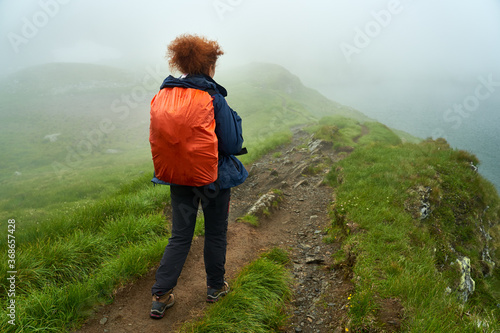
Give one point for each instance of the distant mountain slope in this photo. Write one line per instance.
(49, 110)
(58, 78)
(87, 126)
(276, 80)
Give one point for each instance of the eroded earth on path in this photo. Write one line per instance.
(297, 225)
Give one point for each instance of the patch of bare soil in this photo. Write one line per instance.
(390, 314)
(297, 225)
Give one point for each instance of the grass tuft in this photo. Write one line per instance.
(250, 219)
(256, 302)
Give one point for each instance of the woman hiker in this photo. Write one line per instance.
(194, 135)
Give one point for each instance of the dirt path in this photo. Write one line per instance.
(298, 225)
(364, 131)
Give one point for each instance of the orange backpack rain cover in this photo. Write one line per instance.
(182, 136)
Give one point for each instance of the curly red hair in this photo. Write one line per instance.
(192, 54)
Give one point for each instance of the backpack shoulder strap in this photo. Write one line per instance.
(211, 91)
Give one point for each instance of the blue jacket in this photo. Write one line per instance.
(231, 171)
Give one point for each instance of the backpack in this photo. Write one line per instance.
(182, 136)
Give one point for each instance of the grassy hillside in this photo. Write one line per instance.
(67, 136)
(419, 227)
(75, 132)
(88, 220)
(278, 81)
(75, 260)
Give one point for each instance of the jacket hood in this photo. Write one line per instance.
(201, 82)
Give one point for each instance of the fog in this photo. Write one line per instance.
(403, 62)
(320, 41)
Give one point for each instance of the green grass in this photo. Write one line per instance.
(277, 255)
(259, 148)
(400, 256)
(277, 154)
(77, 258)
(137, 198)
(256, 303)
(250, 219)
(61, 308)
(346, 134)
(199, 228)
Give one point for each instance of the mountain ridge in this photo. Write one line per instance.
(276, 78)
(72, 99)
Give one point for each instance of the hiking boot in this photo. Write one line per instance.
(213, 295)
(161, 303)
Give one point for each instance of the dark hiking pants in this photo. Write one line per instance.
(185, 201)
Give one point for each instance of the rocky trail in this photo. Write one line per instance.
(296, 225)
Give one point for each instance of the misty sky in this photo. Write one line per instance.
(320, 41)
